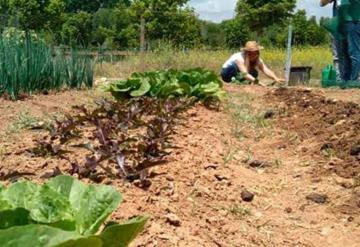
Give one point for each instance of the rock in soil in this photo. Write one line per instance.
(173, 220)
(288, 210)
(355, 150)
(221, 177)
(247, 196)
(317, 198)
(257, 163)
(269, 114)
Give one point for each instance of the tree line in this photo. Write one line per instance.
(115, 24)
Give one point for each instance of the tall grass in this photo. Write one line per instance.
(28, 66)
(316, 57)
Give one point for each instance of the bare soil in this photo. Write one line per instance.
(299, 163)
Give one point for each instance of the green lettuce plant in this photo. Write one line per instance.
(199, 83)
(62, 212)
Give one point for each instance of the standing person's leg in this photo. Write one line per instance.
(344, 60)
(335, 51)
(353, 39)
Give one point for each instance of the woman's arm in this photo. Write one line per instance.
(268, 72)
(243, 69)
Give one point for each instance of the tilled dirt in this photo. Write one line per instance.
(292, 196)
(334, 124)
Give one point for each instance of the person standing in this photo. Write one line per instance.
(347, 49)
(339, 48)
(350, 15)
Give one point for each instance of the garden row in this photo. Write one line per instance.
(118, 137)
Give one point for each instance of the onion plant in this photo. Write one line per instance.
(28, 65)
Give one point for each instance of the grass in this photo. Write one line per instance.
(245, 116)
(239, 211)
(26, 121)
(23, 121)
(317, 57)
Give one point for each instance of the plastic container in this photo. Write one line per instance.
(299, 75)
(328, 78)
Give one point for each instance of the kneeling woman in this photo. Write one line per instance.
(243, 65)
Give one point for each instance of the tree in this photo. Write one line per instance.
(236, 32)
(34, 14)
(111, 27)
(167, 20)
(308, 31)
(212, 34)
(77, 29)
(91, 6)
(260, 14)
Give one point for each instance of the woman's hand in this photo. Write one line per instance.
(278, 80)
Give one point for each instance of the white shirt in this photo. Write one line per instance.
(239, 56)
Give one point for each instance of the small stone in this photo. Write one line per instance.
(325, 231)
(269, 114)
(288, 210)
(281, 146)
(247, 196)
(173, 220)
(220, 177)
(341, 122)
(345, 183)
(350, 219)
(210, 166)
(355, 150)
(257, 163)
(317, 198)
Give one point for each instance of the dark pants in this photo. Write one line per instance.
(352, 60)
(233, 71)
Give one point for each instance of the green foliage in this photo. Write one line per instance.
(33, 14)
(168, 20)
(212, 34)
(236, 33)
(258, 15)
(307, 31)
(92, 6)
(199, 83)
(62, 212)
(28, 66)
(76, 29)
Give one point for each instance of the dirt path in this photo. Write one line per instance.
(195, 199)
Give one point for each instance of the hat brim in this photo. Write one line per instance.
(252, 49)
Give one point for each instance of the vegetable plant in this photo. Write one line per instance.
(122, 138)
(199, 83)
(62, 212)
(29, 66)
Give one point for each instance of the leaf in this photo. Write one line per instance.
(122, 235)
(91, 204)
(46, 236)
(20, 194)
(96, 204)
(47, 206)
(39, 236)
(14, 217)
(143, 89)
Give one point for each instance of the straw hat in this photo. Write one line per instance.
(252, 46)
